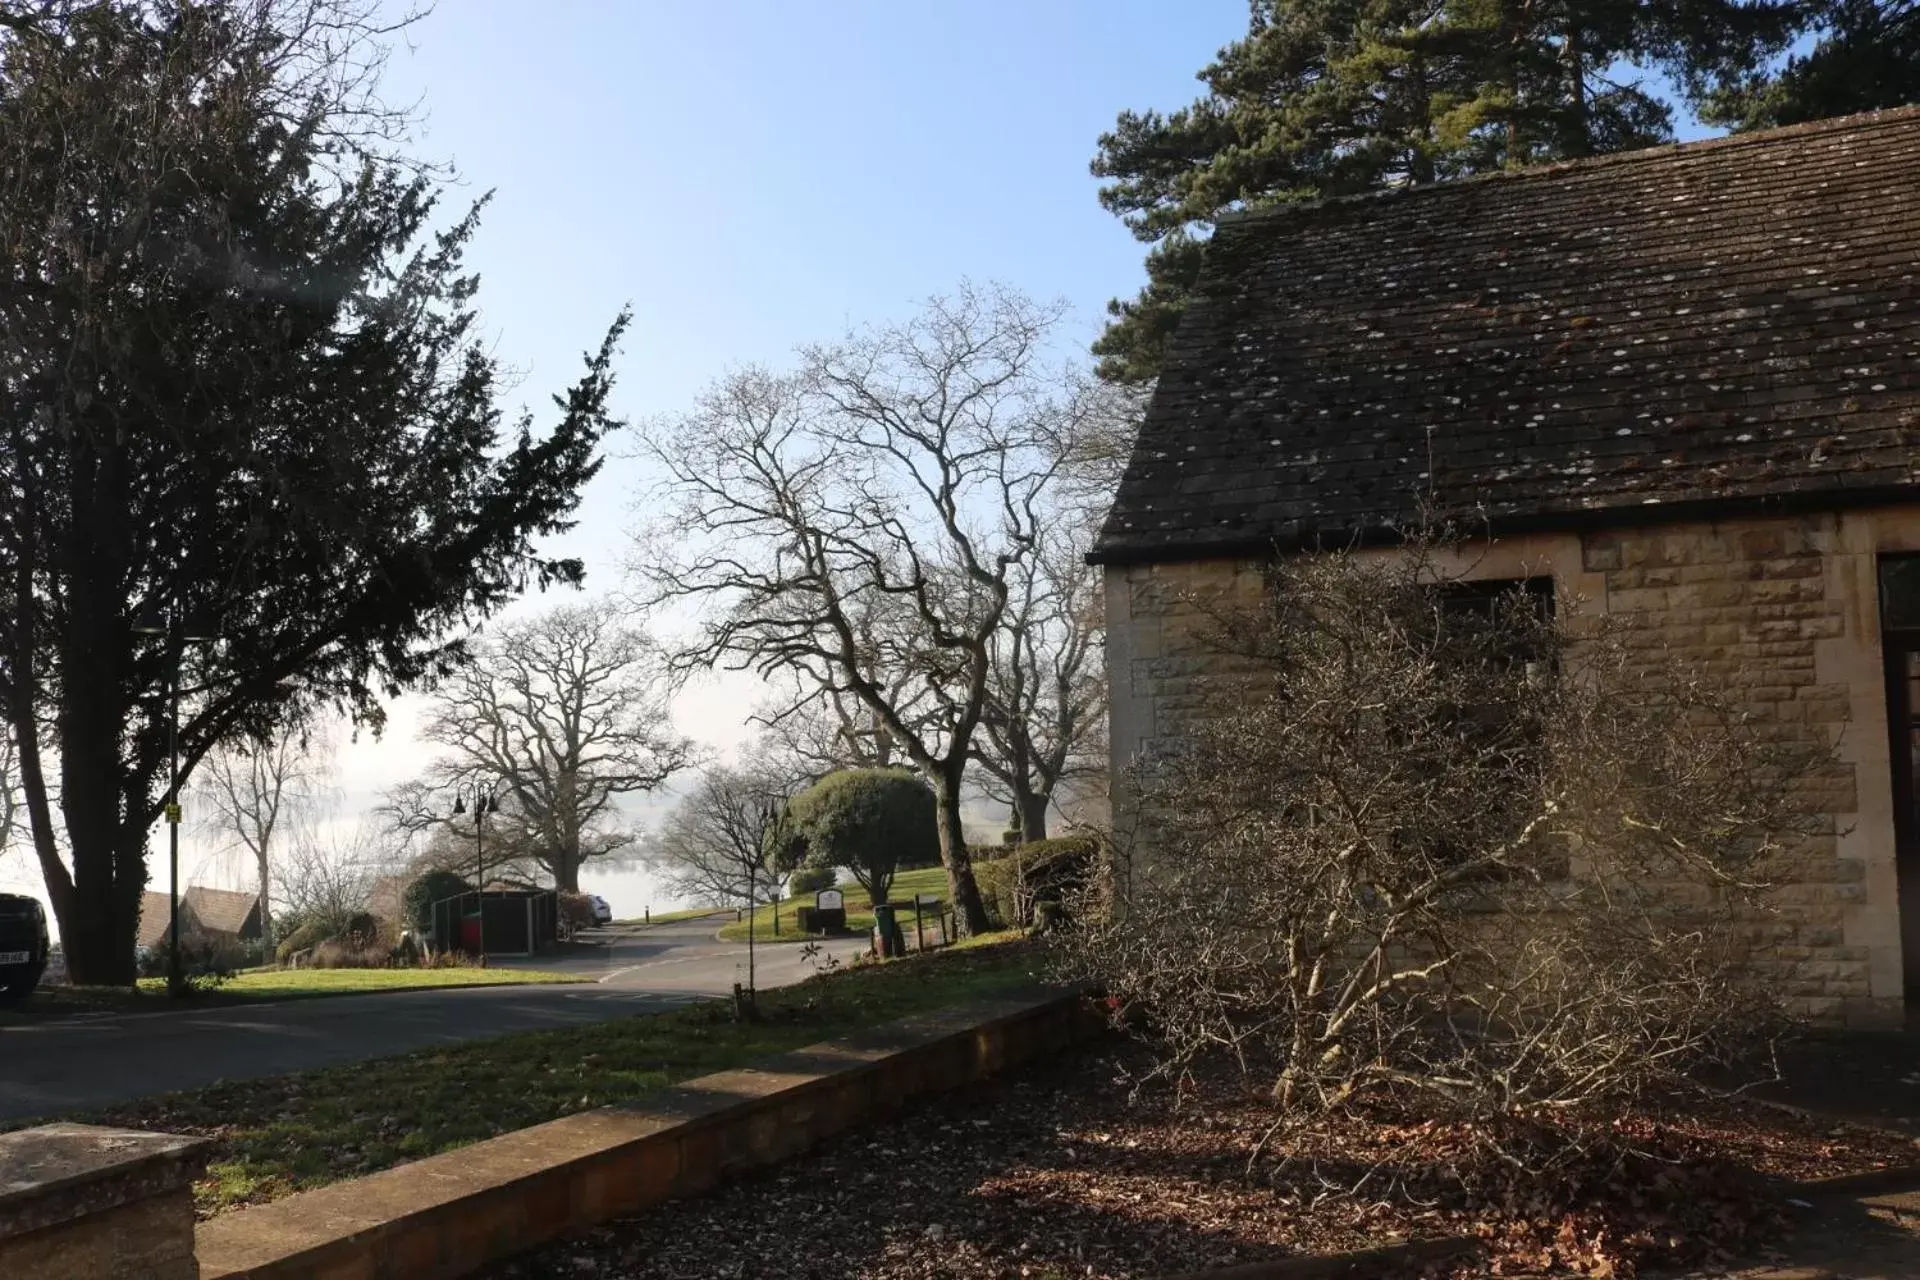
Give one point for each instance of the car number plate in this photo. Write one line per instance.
(14, 957)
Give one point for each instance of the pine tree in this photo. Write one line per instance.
(1865, 56)
(1333, 97)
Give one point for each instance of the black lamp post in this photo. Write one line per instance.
(483, 804)
(178, 633)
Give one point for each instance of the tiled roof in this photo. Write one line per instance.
(220, 910)
(1732, 322)
(202, 910)
(155, 919)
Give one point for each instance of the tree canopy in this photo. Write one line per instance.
(870, 821)
(558, 715)
(1335, 97)
(243, 391)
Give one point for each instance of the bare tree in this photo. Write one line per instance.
(260, 797)
(714, 845)
(1437, 840)
(1107, 422)
(863, 518)
(556, 716)
(1047, 692)
(329, 872)
(9, 792)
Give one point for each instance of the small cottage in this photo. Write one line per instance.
(213, 913)
(1682, 384)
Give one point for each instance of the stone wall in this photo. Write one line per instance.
(453, 1214)
(81, 1202)
(1783, 611)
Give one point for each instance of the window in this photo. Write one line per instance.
(1900, 593)
(1494, 601)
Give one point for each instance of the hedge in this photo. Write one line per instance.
(1041, 875)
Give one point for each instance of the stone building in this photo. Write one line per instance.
(1683, 383)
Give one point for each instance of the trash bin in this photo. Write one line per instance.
(888, 941)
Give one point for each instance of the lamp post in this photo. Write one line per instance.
(167, 623)
(483, 804)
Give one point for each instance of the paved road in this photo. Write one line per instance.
(91, 1060)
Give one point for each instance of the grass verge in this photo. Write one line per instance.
(859, 910)
(286, 984)
(672, 917)
(287, 1133)
(257, 985)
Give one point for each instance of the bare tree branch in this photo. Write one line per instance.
(558, 716)
(856, 525)
(261, 798)
(714, 846)
(1047, 694)
(1427, 838)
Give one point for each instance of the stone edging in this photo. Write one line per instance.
(451, 1214)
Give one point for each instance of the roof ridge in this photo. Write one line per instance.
(1858, 122)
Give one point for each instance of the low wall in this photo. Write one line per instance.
(451, 1214)
(82, 1202)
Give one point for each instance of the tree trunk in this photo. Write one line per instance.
(1579, 140)
(109, 851)
(970, 914)
(566, 873)
(103, 917)
(266, 908)
(1033, 816)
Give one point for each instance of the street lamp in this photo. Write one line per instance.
(483, 804)
(178, 633)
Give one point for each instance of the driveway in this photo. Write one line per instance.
(92, 1060)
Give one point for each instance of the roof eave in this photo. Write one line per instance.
(1581, 520)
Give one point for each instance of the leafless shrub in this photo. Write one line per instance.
(1443, 841)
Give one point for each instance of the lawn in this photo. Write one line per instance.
(859, 910)
(286, 1133)
(256, 985)
(287, 984)
(671, 917)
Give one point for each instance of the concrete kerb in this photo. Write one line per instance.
(448, 1215)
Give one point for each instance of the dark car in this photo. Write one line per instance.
(24, 945)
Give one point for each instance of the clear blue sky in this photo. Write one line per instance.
(752, 175)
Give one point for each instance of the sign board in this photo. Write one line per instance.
(926, 899)
(829, 900)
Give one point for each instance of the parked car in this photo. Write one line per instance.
(24, 945)
(602, 913)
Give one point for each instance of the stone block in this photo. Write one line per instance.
(82, 1202)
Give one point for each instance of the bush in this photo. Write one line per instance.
(342, 953)
(1440, 840)
(205, 958)
(416, 904)
(577, 910)
(1038, 881)
(303, 936)
(811, 880)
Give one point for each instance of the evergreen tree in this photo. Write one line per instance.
(242, 391)
(1333, 97)
(1865, 55)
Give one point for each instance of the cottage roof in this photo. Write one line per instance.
(155, 919)
(1651, 335)
(220, 910)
